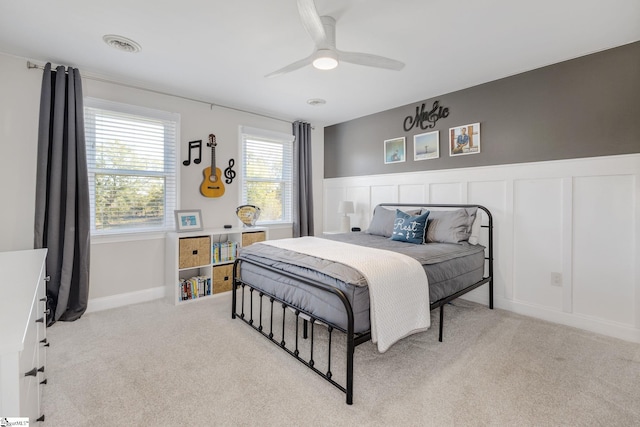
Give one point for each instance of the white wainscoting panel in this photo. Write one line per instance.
(604, 247)
(382, 194)
(537, 241)
(360, 197)
(412, 193)
(332, 198)
(492, 195)
(446, 193)
(579, 218)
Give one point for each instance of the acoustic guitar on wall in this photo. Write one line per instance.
(212, 185)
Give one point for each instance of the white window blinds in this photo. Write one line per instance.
(131, 158)
(267, 173)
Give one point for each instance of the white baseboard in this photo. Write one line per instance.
(591, 324)
(120, 300)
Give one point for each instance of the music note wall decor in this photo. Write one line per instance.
(229, 173)
(194, 144)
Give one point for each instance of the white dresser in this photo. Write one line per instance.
(22, 333)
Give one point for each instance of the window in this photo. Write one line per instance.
(267, 173)
(131, 159)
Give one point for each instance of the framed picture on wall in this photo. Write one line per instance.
(188, 220)
(464, 140)
(395, 150)
(426, 146)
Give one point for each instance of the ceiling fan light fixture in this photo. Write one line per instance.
(325, 60)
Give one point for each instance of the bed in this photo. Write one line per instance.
(378, 285)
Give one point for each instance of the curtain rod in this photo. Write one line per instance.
(33, 66)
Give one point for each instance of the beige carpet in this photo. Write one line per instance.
(154, 364)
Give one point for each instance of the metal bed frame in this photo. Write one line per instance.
(352, 339)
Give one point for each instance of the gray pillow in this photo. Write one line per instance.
(450, 226)
(383, 219)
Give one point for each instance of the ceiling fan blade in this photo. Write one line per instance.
(311, 21)
(370, 60)
(291, 67)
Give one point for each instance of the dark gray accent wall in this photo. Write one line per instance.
(585, 107)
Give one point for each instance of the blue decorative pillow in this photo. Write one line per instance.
(409, 228)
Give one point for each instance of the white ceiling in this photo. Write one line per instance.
(219, 50)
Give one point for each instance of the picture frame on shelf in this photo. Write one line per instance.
(188, 220)
(426, 146)
(395, 150)
(464, 140)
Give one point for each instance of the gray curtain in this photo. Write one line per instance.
(62, 193)
(303, 191)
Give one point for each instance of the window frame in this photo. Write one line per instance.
(170, 171)
(247, 132)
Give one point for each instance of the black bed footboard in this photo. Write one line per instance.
(252, 313)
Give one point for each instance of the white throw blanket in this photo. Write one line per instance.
(398, 286)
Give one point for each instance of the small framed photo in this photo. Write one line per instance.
(190, 220)
(395, 150)
(464, 140)
(426, 146)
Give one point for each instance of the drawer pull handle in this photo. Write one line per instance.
(40, 320)
(41, 369)
(31, 373)
(47, 278)
(41, 419)
(43, 299)
(47, 311)
(44, 341)
(226, 278)
(44, 381)
(195, 252)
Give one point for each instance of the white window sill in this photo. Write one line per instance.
(275, 225)
(98, 239)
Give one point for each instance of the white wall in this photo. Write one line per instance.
(579, 218)
(19, 109)
(130, 269)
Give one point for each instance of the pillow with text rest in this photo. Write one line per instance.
(450, 226)
(383, 219)
(409, 228)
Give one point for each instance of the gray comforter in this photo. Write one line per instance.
(449, 267)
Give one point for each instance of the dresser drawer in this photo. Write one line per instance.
(194, 251)
(29, 354)
(29, 398)
(42, 349)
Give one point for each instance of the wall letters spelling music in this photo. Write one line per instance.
(426, 119)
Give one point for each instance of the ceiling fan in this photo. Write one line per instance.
(326, 56)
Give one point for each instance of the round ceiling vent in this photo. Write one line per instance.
(121, 43)
(316, 101)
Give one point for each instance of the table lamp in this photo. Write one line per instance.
(346, 208)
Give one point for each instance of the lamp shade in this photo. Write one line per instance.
(346, 207)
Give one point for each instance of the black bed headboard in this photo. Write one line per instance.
(488, 226)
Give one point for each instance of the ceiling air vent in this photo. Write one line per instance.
(316, 102)
(121, 43)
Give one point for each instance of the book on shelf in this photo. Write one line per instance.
(224, 252)
(194, 287)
